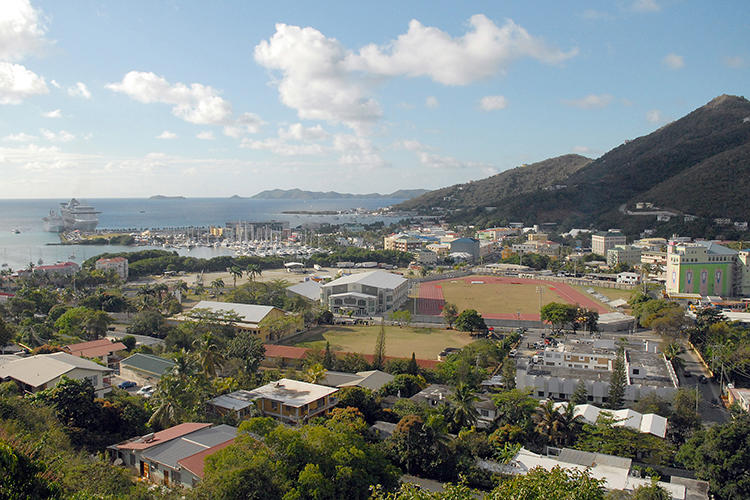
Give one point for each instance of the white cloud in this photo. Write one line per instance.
(167, 135)
(654, 116)
(590, 101)
(483, 51)
(315, 77)
(433, 160)
(410, 145)
(297, 131)
(431, 102)
(54, 84)
(55, 113)
(206, 135)
(18, 83)
(582, 149)
(646, 6)
(592, 14)
(734, 62)
(493, 102)
(357, 151)
(61, 136)
(673, 61)
(281, 147)
(21, 30)
(20, 137)
(79, 90)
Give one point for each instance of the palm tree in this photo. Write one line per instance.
(236, 272)
(464, 412)
(315, 373)
(568, 424)
(217, 286)
(547, 420)
(167, 408)
(210, 358)
(672, 352)
(254, 271)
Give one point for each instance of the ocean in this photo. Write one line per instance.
(33, 244)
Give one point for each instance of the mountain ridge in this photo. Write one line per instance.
(299, 194)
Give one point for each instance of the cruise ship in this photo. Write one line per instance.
(73, 216)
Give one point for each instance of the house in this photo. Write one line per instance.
(61, 269)
(145, 369)
(36, 373)
(250, 316)
(372, 379)
(284, 355)
(174, 456)
(628, 278)
(741, 396)
(102, 349)
(365, 294)
(117, 264)
(435, 394)
(309, 290)
(291, 401)
(649, 423)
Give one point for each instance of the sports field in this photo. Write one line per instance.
(500, 297)
(426, 343)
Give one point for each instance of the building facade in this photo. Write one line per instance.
(292, 401)
(117, 264)
(704, 268)
(623, 254)
(603, 241)
(365, 294)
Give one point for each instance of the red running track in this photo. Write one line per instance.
(431, 298)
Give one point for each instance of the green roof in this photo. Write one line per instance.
(148, 363)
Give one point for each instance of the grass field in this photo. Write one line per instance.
(497, 298)
(426, 343)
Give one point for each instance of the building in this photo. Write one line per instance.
(145, 369)
(623, 254)
(60, 269)
(425, 257)
(402, 243)
(102, 349)
(250, 317)
(706, 268)
(372, 379)
(291, 401)
(437, 394)
(309, 290)
(628, 278)
(281, 356)
(365, 294)
(441, 249)
(603, 241)
(740, 396)
(648, 423)
(174, 456)
(555, 373)
(117, 264)
(656, 262)
(616, 472)
(465, 245)
(495, 233)
(43, 371)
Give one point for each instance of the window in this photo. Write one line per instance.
(636, 371)
(540, 394)
(274, 405)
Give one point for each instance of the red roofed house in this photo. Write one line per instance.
(117, 264)
(61, 268)
(284, 355)
(101, 349)
(175, 455)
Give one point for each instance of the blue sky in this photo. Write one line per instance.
(120, 99)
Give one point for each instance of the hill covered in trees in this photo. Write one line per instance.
(699, 165)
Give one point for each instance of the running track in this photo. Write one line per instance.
(430, 296)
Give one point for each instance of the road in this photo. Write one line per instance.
(710, 412)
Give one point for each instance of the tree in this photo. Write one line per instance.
(378, 358)
(508, 374)
(236, 273)
(148, 322)
(254, 271)
(360, 398)
(315, 373)
(404, 385)
(580, 395)
(684, 420)
(412, 368)
(515, 406)
(5, 333)
(247, 347)
(401, 317)
(672, 352)
(558, 315)
(557, 484)
(209, 355)
(617, 381)
(450, 313)
(217, 286)
(329, 360)
(464, 414)
(650, 492)
(470, 321)
(129, 342)
(83, 322)
(721, 455)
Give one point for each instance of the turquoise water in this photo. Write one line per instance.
(32, 244)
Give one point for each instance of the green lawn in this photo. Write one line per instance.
(426, 343)
(497, 298)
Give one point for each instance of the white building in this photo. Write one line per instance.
(623, 254)
(629, 278)
(603, 241)
(36, 373)
(117, 264)
(365, 294)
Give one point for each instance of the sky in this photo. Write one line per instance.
(204, 99)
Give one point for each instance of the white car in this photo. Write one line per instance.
(146, 391)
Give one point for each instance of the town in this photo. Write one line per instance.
(443, 353)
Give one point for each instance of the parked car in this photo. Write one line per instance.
(703, 379)
(127, 384)
(687, 374)
(146, 390)
(512, 353)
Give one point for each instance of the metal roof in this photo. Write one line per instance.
(249, 313)
(148, 363)
(378, 279)
(292, 392)
(185, 446)
(160, 437)
(43, 368)
(237, 400)
(309, 289)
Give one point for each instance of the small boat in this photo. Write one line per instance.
(17, 231)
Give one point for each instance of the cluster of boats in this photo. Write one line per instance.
(255, 248)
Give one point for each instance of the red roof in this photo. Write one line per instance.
(162, 436)
(61, 265)
(113, 259)
(94, 348)
(285, 351)
(196, 463)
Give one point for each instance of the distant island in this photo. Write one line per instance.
(165, 197)
(298, 194)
